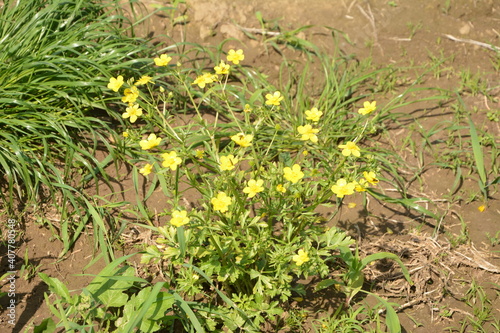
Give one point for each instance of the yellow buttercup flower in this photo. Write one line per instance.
(130, 95)
(143, 80)
(301, 257)
(481, 208)
(343, 188)
(254, 187)
(274, 99)
(361, 185)
(179, 218)
(125, 134)
(205, 79)
(281, 188)
(368, 108)
(293, 174)
(221, 202)
(132, 112)
(314, 114)
(242, 139)
(247, 108)
(162, 60)
(308, 133)
(171, 160)
(235, 56)
(115, 84)
(146, 170)
(370, 177)
(200, 153)
(350, 148)
(151, 142)
(228, 162)
(222, 69)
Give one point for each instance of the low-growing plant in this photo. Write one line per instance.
(115, 301)
(244, 178)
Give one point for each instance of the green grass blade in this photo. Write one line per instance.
(191, 315)
(478, 153)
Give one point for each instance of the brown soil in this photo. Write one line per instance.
(408, 33)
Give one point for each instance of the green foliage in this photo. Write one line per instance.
(115, 301)
(353, 279)
(54, 58)
(257, 166)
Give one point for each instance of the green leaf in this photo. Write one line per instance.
(327, 283)
(182, 241)
(478, 152)
(149, 305)
(56, 287)
(46, 326)
(110, 292)
(187, 310)
(387, 255)
(391, 318)
(408, 203)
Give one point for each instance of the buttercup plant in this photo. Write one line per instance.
(253, 226)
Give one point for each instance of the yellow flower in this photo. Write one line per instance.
(293, 174)
(368, 108)
(274, 99)
(301, 257)
(125, 134)
(351, 205)
(242, 139)
(481, 208)
(151, 142)
(200, 153)
(143, 80)
(308, 133)
(314, 114)
(221, 202)
(361, 185)
(370, 177)
(205, 79)
(131, 95)
(247, 108)
(228, 162)
(343, 188)
(179, 218)
(254, 187)
(281, 188)
(163, 60)
(171, 160)
(222, 69)
(133, 112)
(115, 84)
(146, 170)
(350, 148)
(235, 56)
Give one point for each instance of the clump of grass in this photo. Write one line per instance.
(55, 57)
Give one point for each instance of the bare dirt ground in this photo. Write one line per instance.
(410, 36)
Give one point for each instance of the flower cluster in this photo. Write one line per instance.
(222, 69)
(130, 95)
